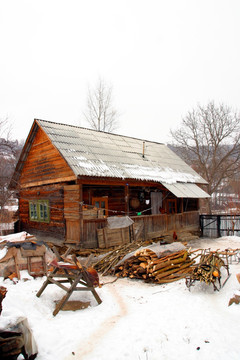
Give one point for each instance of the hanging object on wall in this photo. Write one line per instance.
(135, 203)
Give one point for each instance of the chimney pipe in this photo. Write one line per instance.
(143, 153)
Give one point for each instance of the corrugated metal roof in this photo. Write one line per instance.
(93, 153)
(186, 190)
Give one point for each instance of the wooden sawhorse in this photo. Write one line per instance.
(72, 274)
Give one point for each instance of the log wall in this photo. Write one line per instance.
(56, 227)
(44, 163)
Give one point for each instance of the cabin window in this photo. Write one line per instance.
(33, 211)
(39, 210)
(101, 203)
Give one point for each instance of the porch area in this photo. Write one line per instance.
(84, 233)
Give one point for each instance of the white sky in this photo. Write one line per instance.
(161, 57)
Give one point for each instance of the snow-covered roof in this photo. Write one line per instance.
(186, 190)
(100, 154)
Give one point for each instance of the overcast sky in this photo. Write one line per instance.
(162, 58)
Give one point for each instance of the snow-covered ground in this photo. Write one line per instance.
(135, 320)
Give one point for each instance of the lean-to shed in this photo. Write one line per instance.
(70, 179)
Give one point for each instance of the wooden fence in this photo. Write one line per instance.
(145, 226)
(162, 224)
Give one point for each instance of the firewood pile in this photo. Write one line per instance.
(146, 265)
(135, 261)
(208, 269)
(105, 264)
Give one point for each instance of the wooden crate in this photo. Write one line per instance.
(112, 237)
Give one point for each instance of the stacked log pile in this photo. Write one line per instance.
(142, 263)
(145, 264)
(207, 270)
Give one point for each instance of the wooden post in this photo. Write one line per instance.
(201, 217)
(16, 266)
(219, 225)
(126, 188)
(81, 214)
(182, 205)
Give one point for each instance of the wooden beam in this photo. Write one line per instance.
(88, 180)
(49, 181)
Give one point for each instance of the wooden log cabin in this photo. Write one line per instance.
(70, 179)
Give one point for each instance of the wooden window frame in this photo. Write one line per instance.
(174, 201)
(39, 211)
(100, 199)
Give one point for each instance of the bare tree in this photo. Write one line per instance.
(6, 169)
(100, 113)
(5, 135)
(209, 140)
(9, 152)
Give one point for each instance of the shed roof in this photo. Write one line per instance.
(186, 190)
(100, 154)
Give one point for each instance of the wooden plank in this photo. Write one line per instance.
(72, 231)
(105, 238)
(112, 237)
(101, 242)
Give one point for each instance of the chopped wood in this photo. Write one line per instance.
(145, 264)
(174, 270)
(181, 257)
(169, 279)
(107, 263)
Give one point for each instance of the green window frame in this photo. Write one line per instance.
(39, 210)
